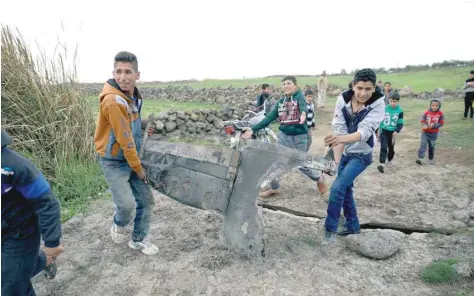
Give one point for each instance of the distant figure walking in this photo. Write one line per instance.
(322, 87)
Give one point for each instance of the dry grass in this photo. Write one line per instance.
(41, 108)
(50, 121)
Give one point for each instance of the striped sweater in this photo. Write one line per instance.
(310, 114)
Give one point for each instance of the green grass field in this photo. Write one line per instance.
(456, 133)
(428, 80)
(156, 106)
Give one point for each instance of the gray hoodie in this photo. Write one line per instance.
(468, 88)
(366, 121)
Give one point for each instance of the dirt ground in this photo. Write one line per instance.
(193, 261)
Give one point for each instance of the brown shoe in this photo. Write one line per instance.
(269, 193)
(322, 186)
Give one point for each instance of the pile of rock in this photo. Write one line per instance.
(194, 124)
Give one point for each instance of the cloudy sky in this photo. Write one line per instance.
(247, 38)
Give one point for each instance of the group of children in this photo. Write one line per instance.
(363, 113)
(432, 120)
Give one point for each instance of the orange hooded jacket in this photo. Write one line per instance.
(118, 132)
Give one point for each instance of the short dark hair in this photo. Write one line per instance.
(379, 81)
(308, 92)
(126, 57)
(387, 83)
(395, 96)
(290, 78)
(365, 75)
(265, 85)
(472, 72)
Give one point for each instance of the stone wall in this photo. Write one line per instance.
(194, 124)
(242, 97)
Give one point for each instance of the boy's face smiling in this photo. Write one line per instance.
(363, 90)
(267, 90)
(289, 87)
(434, 106)
(393, 103)
(309, 98)
(126, 76)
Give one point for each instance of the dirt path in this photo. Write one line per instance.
(192, 260)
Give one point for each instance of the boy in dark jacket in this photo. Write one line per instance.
(261, 98)
(29, 211)
(431, 121)
(469, 98)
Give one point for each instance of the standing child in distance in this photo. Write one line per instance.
(390, 128)
(261, 98)
(431, 122)
(387, 92)
(309, 94)
(469, 98)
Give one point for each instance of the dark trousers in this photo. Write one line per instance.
(468, 101)
(22, 259)
(387, 144)
(427, 140)
(341, 195)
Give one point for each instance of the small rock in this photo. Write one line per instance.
(159, 125)
(162, 116)
(193, 117)
(376, 244)
(461, 202)
(201, 118)
(170, 126)
(189, 123)
(172, 117)
(181, 115)
(457, 225)
(73, 223)
(438, 93)
(200, 125)
(464, 269)
(64, 277)
(461, 215)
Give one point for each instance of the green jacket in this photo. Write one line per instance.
(288, 110)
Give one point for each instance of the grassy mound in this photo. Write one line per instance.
(440, 272)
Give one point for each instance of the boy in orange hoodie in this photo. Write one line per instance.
(117, 141)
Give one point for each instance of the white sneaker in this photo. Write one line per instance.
(118, 234)
(145, 246)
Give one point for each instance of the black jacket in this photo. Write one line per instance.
(27, 199)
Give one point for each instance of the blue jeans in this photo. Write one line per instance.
(22, 259)
(341, 195)
(128, 192)
(427, 139)
(299, 142)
